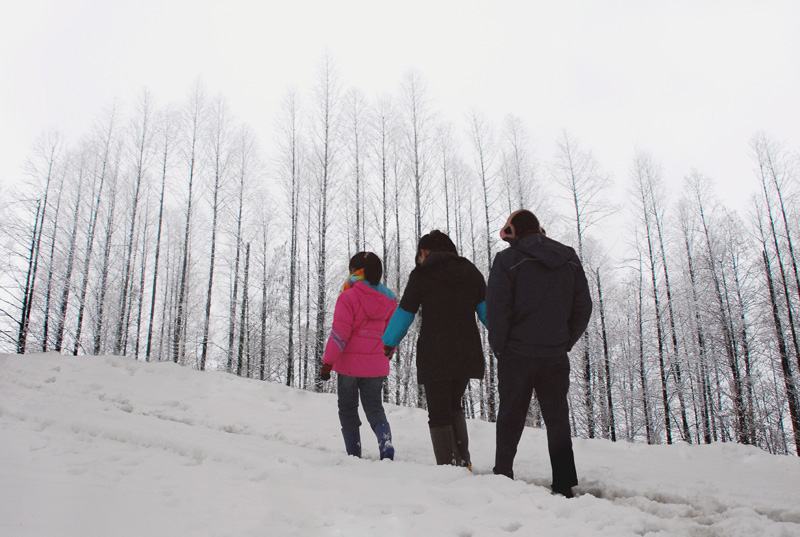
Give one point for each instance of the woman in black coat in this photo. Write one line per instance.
(450, 290)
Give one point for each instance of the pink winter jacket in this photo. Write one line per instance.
(354, 347)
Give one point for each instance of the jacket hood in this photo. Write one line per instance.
(552, 253)
(378, 301)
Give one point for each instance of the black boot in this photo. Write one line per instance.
(443, 443)
(462, 440)
(566, 492)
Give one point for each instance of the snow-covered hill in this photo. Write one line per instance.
(111, 447)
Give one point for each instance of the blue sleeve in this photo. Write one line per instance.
(398, 327)
(480, 309)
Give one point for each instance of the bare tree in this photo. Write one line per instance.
(654, 198)
(698, 193)
(107, 132)
(43, 168)
(220, 130)
(99, 328)
(324, 146)
(80, 164)
(24, 321)
(788, 381)
(774, 173)
(142, 275)
(194, 117)
(447, 155)
(576, 172)
(356, 124)
(142, 134)
(642, 369)
(51, 258)
(519, 168)
(288, 168)
(416, 132)
(243, 322)
(482, 136)
(611, 425)
(705, 389)
(166, 134)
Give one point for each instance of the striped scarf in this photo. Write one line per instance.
(357, 276)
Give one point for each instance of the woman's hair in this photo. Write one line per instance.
(435, 241)
(371, 263)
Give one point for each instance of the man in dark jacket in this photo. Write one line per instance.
(537, 307)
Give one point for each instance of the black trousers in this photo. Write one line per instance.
(444, 399)
(518, 376)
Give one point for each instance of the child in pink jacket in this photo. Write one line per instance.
(355, 352)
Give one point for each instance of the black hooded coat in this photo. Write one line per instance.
(537, 298)
(448, 288)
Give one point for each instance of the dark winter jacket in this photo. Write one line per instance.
(537, 299)
(450, 290)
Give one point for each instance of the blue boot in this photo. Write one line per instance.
(352, 441)
(384, 434)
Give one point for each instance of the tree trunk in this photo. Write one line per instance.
(164, 165)
(22, 338)
(98, 330)
(65, 291)
(243, 321)
(791, 389)
(642, 369)
(701, 343)
(142, 145)
(49, 286)
(195, 111)
(611, 426)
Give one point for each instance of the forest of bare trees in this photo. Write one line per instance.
(170, 233)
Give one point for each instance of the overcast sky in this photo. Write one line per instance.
(688, 81)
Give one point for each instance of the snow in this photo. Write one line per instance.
(108, 446)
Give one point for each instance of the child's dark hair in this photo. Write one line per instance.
(371, 263)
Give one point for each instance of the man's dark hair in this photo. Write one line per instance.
(371, 263)
(525, 222)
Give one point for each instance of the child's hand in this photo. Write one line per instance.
(325, 372)
(388, 351)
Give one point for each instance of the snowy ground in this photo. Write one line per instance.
(107, 447)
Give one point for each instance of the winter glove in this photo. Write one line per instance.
(388, 351)
(325, 372)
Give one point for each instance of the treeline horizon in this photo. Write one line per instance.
(171, 233)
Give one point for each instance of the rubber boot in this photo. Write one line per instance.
(385, 447)
(443, 441)
(352, 441)
(462, 440)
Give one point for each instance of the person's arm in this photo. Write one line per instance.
(499, 303)
(581, 306)
(480, 309)
(404, 314)
(340, 331)
(398, 327)
(480, 295)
